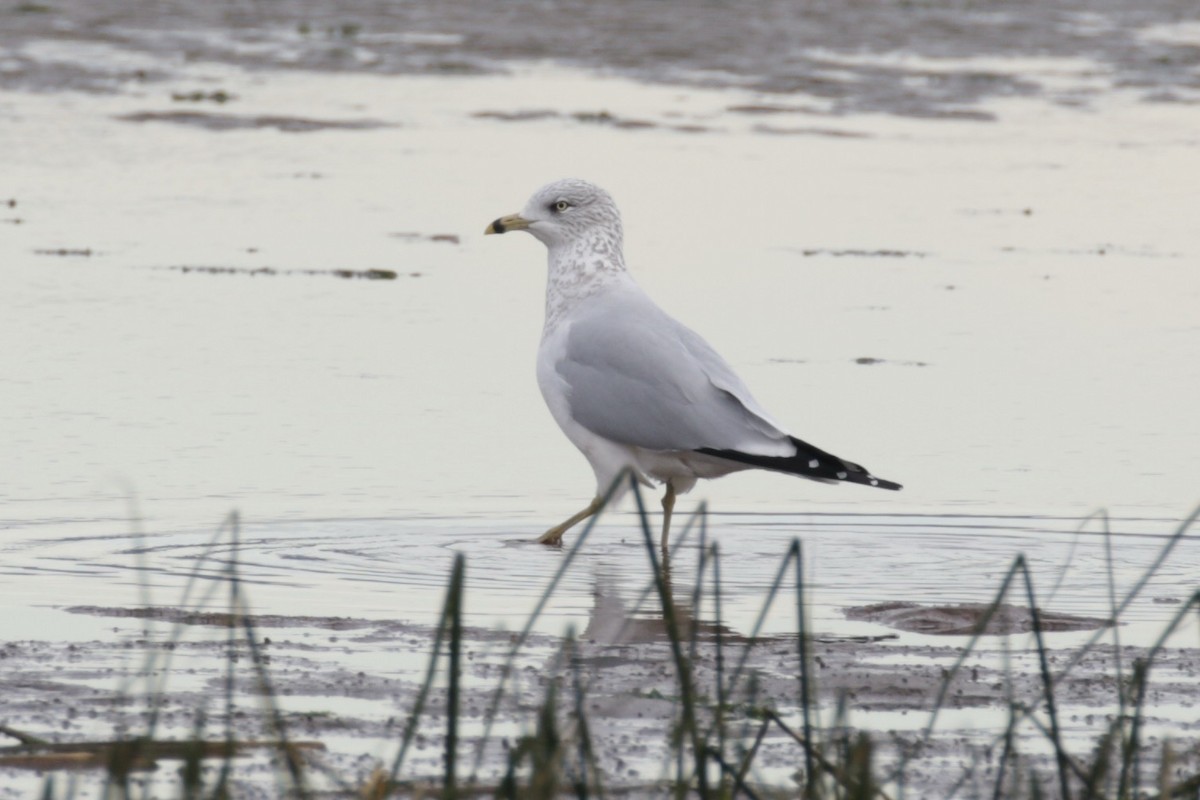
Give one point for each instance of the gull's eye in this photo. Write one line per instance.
(561, 206)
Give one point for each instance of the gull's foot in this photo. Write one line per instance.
(552, 536)
(555, 534)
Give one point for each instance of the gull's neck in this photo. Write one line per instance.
(580, 268)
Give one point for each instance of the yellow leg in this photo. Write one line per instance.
(668, 504)
(555, 534)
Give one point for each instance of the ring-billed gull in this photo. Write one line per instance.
(629, 385)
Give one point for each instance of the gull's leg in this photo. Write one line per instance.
(555, 534)
(668, 504)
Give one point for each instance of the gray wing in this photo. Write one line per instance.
(636, 376)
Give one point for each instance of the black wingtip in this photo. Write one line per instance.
(809, 462)
(882, 483)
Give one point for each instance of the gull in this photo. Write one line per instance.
(630, 386)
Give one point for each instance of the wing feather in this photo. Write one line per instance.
(637, 376)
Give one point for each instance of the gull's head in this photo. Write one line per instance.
(563, 212)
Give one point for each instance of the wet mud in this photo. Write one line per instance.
(603, 118)
(232, 122)
(968, 618)
(346, 687)
(827, 50)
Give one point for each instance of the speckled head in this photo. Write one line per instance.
(565, 212)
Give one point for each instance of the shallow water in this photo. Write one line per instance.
(982, 287)
(1034, 363)
(398, 568)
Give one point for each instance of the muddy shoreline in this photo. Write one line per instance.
(905, 59)
(350, 716)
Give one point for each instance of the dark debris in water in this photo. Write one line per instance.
(833, 133)
(10, 203)
(856, 253)
(446, 238)
(66, 251)
(1024, 212)
(219, 96)
(1098, 250)
(605, 118)
(763, 109)
(870, 360)
(601, 117)
(349, 274)
(527, 115)
(230, 122)
(965, 618)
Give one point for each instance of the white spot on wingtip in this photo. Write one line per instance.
(874, 482)
(814, 464)
(841, 476)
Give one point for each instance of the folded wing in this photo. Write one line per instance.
(637, 376)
